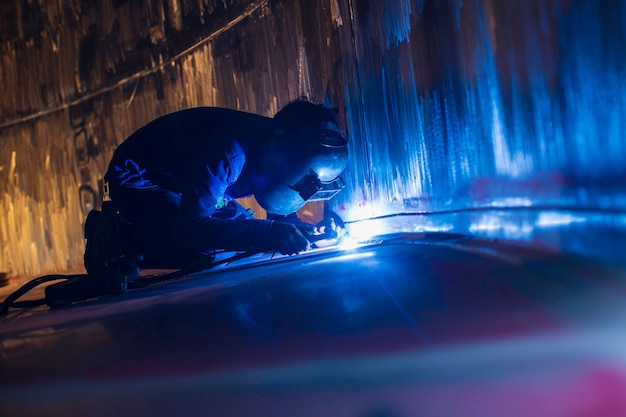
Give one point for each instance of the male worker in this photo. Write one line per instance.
(173, 183)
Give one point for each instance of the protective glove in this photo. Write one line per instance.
(287, 239)
(330, 230)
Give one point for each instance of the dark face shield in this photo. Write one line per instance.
(301, 170)
(311, 188)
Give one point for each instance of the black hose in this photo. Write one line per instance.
(10, 300)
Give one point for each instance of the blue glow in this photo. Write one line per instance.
(523, 116)
(351, 257)
(588, 233)
(551, 219)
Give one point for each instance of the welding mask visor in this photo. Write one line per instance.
(304, 166)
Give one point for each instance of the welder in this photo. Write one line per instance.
(173, 184)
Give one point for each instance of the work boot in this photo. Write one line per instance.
(102, 229)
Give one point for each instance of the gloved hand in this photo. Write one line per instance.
(332, 226)
(287, 239)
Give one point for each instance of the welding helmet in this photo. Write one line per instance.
(305, 161)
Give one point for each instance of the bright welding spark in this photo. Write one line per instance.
(557, 219)
(365, 230)
(348, 243)
(344, 257)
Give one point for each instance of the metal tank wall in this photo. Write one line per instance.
(487, 103)
(449, 105)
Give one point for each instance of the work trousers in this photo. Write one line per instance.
(149, 215)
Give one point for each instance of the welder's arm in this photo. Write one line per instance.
(197, 227)
(208, 233)
(287, 239)
(330, 230)
(326, 233)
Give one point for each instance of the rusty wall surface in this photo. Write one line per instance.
(448, 104)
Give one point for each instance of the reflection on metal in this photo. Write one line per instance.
(403, 326)
(345, 256)
(595, 234)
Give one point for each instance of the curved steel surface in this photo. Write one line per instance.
(410, 324)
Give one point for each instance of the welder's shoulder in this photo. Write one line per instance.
(235, 128)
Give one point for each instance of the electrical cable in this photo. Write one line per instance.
(10, 301)
(200, 265)
(86, 290)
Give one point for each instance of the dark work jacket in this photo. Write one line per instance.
(206, 155)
